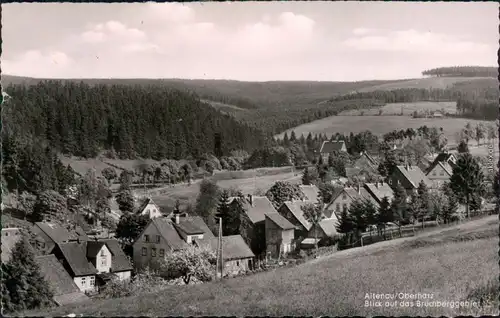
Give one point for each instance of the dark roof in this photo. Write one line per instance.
(442, 158)
(188, 227)
(414, 175)
(93, 247)
(9, 242)
(75, 255)
(55, 274)
(233, 247)
(280, 221)
(168, 232)
(331, 146)
(58, 233)
(258, 210)
(197, 224)
(310, 191)
(120, 261)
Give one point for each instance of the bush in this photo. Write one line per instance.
(146, 281)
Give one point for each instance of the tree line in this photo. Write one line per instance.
(129, 121)
(478, 108)
(462, 71)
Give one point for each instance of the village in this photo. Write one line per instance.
(79, 263)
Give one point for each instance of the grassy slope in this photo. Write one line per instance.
(408, 108)
(427, 83)
(336, 284)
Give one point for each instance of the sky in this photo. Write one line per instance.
(251, 41)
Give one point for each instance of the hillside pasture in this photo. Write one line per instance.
(380, 125)
(393, 109)
(129, 165)
(81, 166)
(424, 83)
(434, 263)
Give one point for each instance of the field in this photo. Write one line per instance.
(407, 108)
(452, 264)
(380, 125)
(425, 83)
(167, 196)
(81, 166)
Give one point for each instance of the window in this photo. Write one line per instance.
(92, 281)
(157, 239)
(344, 196)
(441, 173)
(162, 252)
(433, 173)
(344, 207)
(153, 252)
(146, 238)
(84, 281)
(237, 263)
(6, 234)
(338, 207)
(144, 251)
(103, 253)
(104, 262)
(154, 210)
(148, 211)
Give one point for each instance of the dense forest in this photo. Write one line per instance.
(462, 71)
(131, 121)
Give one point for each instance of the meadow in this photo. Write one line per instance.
(434, 263)
(406, 108)
(380, 125)
(424, 83)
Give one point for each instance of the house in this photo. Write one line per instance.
(148, 207)
(164, 235)
(236, 254)
(328, 147)
(64, 288)
(379, 190)
(73, 256)
(92, 264)
(441, 169)
(365, 161)
(292, 211)
(48, 234)
(279, 235)
(343, 198)
(409, 177)
(10, 236)
(310, 191)
(256, 208)
(326, 228)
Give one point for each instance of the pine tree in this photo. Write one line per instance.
(385, 214)
(230, 219)
(345, 225)
(423, 202)
(23, 282)
(306, 177)
(399, 206)
(467, 180)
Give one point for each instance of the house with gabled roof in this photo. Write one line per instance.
(409, 177)
(441, 169)
(48, 234)
(292, 211)
(310, 191)
(62, 285)
(342, 198)
(255, 209)
(326, 228)
(164, 235)
(237, 256)
(149, 207)
(10, 237)
(365, 161)
(328, 147)
(280, 235)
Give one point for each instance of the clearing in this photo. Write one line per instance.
(380, 125)
(407, 108)
(424, 83)
(448, 263)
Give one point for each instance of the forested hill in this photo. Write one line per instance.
(463, 71)
(133, 121)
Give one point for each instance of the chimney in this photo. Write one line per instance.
(177, 219)
(376, 184)
(95, 238)
(250, 199)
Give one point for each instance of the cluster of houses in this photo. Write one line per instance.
(77, 264)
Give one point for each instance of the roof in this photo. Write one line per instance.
(447, 167)
(310, 191)
(258, 210)
(141, 208)
(93, 247)
(309, 241)
(380, 190)
(55, 274)
(331, 146)
(120, 261)
(328, 226)
(414, 175)
(442, 158)
(194, 225)
(75, 255)
(233, 247)
(9, 242)
(352, 172)
(354, 194)
(168, 232)
(58, 234)
(280, 221)
(296, 208)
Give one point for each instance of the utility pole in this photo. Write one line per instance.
(219, 260)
